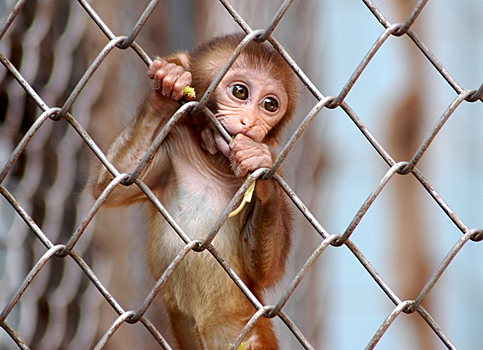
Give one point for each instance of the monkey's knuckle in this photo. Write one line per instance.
(179, 85)
(246, 165)
(241, 157)
(179, 70)
(177, 94)
(164, 70)
(159, 62)
(159, 75)
(169, 80)
(155, 65)
(187, 78)
(242, 138)
(235, 146)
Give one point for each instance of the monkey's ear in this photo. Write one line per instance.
(178, 58)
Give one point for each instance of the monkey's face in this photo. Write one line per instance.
(248, 103)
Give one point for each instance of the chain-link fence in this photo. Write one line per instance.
(70, 242)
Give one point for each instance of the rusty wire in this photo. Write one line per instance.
(53, 114)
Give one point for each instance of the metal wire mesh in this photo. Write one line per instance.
(72, 248)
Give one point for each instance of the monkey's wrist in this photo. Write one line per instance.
(160, 106)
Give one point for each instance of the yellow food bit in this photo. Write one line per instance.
(188, 91)
(246, 199)
(241, 347)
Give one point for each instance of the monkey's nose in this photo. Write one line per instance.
(248, 121)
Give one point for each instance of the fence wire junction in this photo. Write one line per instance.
(63, 250)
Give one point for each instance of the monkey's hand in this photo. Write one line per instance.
(169, 83)
(248, 155)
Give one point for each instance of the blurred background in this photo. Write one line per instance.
(333, 168)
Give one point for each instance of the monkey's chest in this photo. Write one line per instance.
(198, 275)
(197, 212)
(195, 203)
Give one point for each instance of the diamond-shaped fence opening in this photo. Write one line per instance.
(59, 256)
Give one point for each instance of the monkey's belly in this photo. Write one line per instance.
(198, 286)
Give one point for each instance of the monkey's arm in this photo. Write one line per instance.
(169, 80)
(128, 149)
(266, 235)
(268, 219)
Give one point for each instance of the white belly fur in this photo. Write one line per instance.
(199, 285)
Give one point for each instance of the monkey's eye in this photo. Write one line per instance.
(270, 104)
(239, 91)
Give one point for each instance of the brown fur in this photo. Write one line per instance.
(195, 181)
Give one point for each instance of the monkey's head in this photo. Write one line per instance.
(256, 97)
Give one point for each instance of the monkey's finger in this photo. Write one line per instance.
(221, 144)
(244, 167)
(240, 136)
(169, 82)
(162, 73)
(252, 159)
(155, 66)
(158, 78)
(246, 144)
(249, 156)
(178, 88)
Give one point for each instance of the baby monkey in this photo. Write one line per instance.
(195, 173)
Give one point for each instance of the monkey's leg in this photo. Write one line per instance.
(219, 335)
(185, 331)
